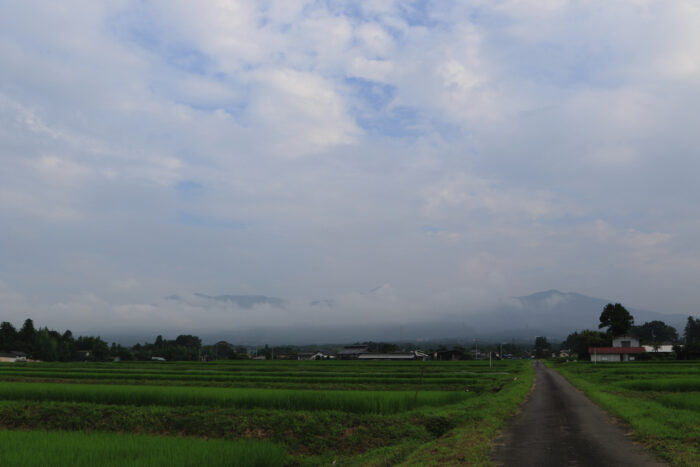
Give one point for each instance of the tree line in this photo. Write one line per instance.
(49, 345)
(618, 321)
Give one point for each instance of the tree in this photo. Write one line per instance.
(8, 336)
(188, 341)
(26, 336)
(654, 332)
(692, 331)
(46, 344)
(616, 318)
(542, 347)
(99, 349)
(579, 343)
(691, 335)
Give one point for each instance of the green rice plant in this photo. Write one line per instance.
(42, 448)
(113, 376)
(663, 385)
(348, 401)
(681, 401)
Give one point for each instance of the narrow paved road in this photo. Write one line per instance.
(559, 426)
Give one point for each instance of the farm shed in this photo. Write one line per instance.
(311, 356)
(7, 357)
(14, 356)
(414, 355)
(447, 355)
(661, 349)
(352, 352)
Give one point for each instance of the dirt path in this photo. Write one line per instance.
(559, 426)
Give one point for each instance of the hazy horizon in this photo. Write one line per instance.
(394, 159)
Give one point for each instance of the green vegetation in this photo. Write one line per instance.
(41, 448)
(350, 412)
(616, 318)
(660, 401)
(347, 401)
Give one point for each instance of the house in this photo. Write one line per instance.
(448, 355)
(7, 357)
(625, 341)
(625, 348)
(406, 356)
(311, 356)
(352, 352)
(664, 349)
(157, 359)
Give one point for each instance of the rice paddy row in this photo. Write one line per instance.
(280, 399)
(319, 416)
(42, 448)
(319, 375)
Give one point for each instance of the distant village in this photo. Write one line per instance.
(620, 341)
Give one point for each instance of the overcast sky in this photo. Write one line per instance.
(451, 153)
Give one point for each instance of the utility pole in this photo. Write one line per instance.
(476, 348)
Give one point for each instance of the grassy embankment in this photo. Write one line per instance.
(659, 400)
(413, 412)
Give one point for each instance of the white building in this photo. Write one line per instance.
(625, 348)
(661, 349)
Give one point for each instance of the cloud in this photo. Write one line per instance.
(295, 149)
(303, 111)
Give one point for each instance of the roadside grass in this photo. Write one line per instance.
(663, 413)
(42, 448)
(482, 421)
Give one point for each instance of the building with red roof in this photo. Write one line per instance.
(625, 348)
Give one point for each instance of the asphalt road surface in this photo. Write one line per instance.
(559, 426)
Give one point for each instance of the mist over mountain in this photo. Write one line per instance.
(242, 301)
(557, 314)
(551, 313)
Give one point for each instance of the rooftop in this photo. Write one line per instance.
(615, 350)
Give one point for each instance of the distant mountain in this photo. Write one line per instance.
(555, 313)
(243, 301)
(551, 313)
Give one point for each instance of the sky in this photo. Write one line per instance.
(401, 159)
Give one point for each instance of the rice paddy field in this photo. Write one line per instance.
(660, 401)
(256, 412)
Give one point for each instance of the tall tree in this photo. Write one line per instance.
(26, 336)
(655, 332)
(692, 331)
(616, 318)
(579, 343)
(542, 347)
(8, 336)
